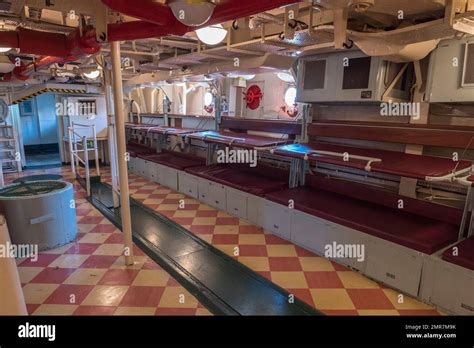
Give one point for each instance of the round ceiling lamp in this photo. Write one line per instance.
(286, 77)
(212, 35)
(92, 75)
(192, 12)
(290, 96)
(6, 66)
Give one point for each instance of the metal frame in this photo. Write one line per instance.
(75, 140)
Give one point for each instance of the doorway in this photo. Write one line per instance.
(39, 132)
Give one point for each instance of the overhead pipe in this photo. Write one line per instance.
(158, 20)
(54, 48)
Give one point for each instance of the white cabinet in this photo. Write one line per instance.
(168, 177)
(236, 203)
(152, 172)
(132, 164)
(203, 190)
(217, 195)
(394, 265)
(188, 184)
(310, 232)
(277, 219)
(356, 242)
(447, 286)
(212, 193)
(140, 167)
(255, 209)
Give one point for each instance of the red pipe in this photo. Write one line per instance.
(153, 11)
(166, 23)
(54, 48)
(24, 71)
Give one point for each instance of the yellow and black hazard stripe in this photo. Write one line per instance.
(49, 90)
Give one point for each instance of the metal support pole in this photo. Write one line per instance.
(112, 144)
(121, 153)
(166, 107)
(217, 105)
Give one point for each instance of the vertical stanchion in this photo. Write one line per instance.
(121, 152)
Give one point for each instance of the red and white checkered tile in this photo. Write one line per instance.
(92, 269)
(89, 276)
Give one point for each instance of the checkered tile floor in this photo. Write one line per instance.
(92, 269)
(88, 277)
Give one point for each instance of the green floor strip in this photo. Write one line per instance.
(219, 282)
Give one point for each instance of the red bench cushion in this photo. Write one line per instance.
(175, 160)
(465, 254)
(136, 150)
(254, 181)
(413, 231)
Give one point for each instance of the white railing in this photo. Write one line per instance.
(78, 143)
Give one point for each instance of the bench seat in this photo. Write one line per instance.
(251, 180)
(465, 254)
(414, 231)
(175, 160)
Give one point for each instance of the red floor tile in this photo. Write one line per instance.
(115, 238)
(91, 220)
(252, 250)
(284, 264)
(94, 310)
(69, 294)
(202, 229)
(176, 311)
(43, 260)
(142, 296)
(227, 221)
(272, 240)
(303, 294)
(183, 220)
(369, 299)
(30, 308)
(206, 213)
(103, 228)
(52, 275)
(323, 280)
(99, 261)
(225, 239)
(119, 277)
(303, 252)
(82, 249)
(248, 229)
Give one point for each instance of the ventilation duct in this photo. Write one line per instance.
(5, 5)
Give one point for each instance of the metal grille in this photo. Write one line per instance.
(25, 189)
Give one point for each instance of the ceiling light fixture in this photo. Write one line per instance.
(192, 12)
(4, 49)
(92, 75)
(286, 77)
(212, 35)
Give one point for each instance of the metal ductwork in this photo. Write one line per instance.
(158, 20)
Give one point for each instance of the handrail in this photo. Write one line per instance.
(368, 167)
(78, 143)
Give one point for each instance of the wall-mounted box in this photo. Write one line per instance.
(350, 76)
(451, 72)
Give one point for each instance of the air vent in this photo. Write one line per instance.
(5, 5)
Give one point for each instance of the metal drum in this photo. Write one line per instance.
(40, 213)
